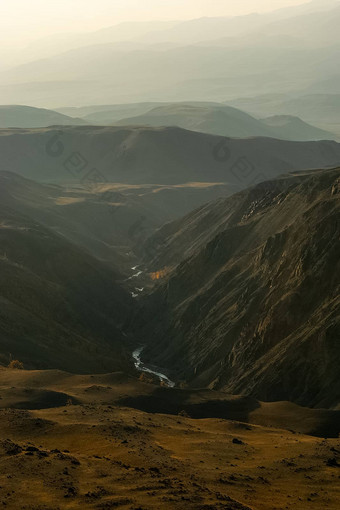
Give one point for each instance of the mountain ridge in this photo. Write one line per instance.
(93, 155)
(21, 116)
(226, 121)
(230, 315)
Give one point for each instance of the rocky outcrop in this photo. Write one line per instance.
(255, 309)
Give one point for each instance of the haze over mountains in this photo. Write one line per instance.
(28, 117)
(226, 121)
(91, 156)
(213, 118)
(169, 261)
(324, 109)
(212, 59)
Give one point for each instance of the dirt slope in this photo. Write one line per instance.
(97, 454)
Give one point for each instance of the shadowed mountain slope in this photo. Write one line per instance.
(141, 155)
(108, 221)
(22, 389)
(60, 307)
(254, 306)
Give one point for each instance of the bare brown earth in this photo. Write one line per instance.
(96, 452)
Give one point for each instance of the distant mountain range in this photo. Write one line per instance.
(29, 117)
(226, 121)
(213, 118)
(108, 114)
(211, 59)
(322, 109)
(90, 156)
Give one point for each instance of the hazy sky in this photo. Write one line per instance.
(24, 20)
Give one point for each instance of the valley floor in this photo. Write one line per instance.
(103, 457)
(92, 454)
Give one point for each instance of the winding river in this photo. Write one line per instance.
(144, 368)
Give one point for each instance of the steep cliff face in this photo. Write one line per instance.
(255, 306)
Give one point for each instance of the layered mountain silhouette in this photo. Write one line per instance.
(211, 59)
(169, 259)
(226, 121)
(322, 109)
(109, 114)
(205, 117)
(89, 156)
(29, 117)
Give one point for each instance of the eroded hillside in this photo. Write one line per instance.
(254, 305)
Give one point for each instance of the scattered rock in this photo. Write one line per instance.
(31, 449)
(237, 441)
(332, 462)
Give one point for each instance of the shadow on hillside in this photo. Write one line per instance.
(194, 403)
